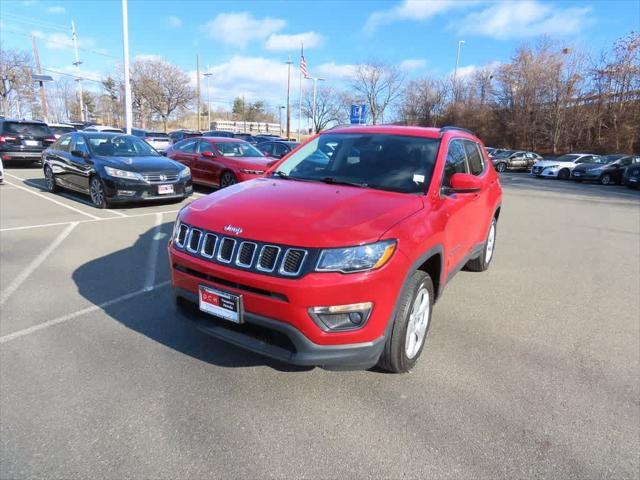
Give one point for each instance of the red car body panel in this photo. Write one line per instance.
(317, 215)
(208, 170)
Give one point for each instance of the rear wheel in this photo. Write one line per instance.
(227, 179)
(501, 167)
(606, 179)
(50, 180)
(411, 324)
(97, 192)
(482, 262)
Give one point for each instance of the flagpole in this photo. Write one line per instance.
(300, 94)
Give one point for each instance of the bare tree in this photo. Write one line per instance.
(380, 85)
(161, 87)
(423, 102)
(16, 88)
(329, 108)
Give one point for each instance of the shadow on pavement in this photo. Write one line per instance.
(155, 314)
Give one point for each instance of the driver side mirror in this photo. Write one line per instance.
(208, 154)
(465, 183)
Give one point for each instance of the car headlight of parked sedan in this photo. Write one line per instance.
(115, 172)
(185, 172)
(551, 167)
(356, 259)
(251, 172)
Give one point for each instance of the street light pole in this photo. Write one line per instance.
(128, 111)
(208, 74)
(289, 62)
(77, 63)
(280, 119)
(315, 94)
(455, 72)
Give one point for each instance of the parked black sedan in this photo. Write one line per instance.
(113, 168)
(607, 169)
(631, 177)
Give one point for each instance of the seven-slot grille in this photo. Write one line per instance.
(266, 258)
(160, 177)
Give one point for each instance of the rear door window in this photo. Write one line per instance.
(188, 147)
(476, 164)
(79, 144)
(63, 144)
(205, 147)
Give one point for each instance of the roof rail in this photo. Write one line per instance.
(449, 128)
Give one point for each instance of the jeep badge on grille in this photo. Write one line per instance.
(231, 229)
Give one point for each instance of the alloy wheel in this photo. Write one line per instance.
(49, 179)
(491, 241)
(418, 323)
(606, 179)
(97, 192)
(227, 180)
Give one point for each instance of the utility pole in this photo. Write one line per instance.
(43, 95)
(207, 75)
(198, 88)
(77, 63)
(289, 62)
(128, 110)
(244, 118)
(280, 108)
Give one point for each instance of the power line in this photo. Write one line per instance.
(71, 75)
(66, 45)
(37, 22)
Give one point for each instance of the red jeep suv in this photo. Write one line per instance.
(337, 256)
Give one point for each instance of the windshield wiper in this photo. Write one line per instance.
(336, 181)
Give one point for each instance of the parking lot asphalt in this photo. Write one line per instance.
(529, 370)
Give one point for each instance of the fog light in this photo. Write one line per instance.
(341, 317)
(126, 193)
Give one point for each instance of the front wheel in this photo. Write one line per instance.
(605, 179)
(501, 167)
(50, 180)
(411, 324)
(97, 192)
(564, 174)
(227, 179)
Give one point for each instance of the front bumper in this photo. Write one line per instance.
(281, 305)
(544, 173)
(115, 188)
(281, 341)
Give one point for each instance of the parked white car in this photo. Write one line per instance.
(561, 167)
(59, 129)
(103, 128)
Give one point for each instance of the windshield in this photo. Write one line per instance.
(119, 146)
(237, 149)
(504, 153)
(607, 158)
(384, 162)
(35, 129)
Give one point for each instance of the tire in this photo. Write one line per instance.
(501, 167)
(406, 340)
(227, 179)
(564, 174)
(606, 179)
(97, 193)
(482, 262)
(50, 180)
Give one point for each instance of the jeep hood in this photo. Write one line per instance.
(305, 214)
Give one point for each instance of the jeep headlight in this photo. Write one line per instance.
(356, 259)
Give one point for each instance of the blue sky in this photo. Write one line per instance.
(245, 44)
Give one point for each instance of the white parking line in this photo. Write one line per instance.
(42, 225)
(71, 316)
(19, 280)
(51, 199)
(153, 254)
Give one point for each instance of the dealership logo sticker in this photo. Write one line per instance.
(232, 229)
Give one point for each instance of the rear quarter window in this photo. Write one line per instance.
(476, 162)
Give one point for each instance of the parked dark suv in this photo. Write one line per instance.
(337, 260)
(24, 140)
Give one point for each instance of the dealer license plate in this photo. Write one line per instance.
(165, 189)
(221, 304)
(31, 143)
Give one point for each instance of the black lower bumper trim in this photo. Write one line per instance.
(301, 351)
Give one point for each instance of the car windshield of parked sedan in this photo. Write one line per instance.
(379, 161)
(608, 158)
(108, 145)
(504, 153)
(567, 158)
(237, 149)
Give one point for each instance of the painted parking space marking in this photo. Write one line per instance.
(35, 263)
(84, 311)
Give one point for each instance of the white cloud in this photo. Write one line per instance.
(526, 18)
(145, 56)
(253, 77)
(469, 71)
(71, 70)
(62, 41)
(412, 10)
(239, 29)
(280, 42)
(412, 64)
(174, 22)
(332, 71)
(56, 9)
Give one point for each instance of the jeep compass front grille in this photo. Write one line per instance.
(277, 260)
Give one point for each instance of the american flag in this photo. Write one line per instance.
(303, 65)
